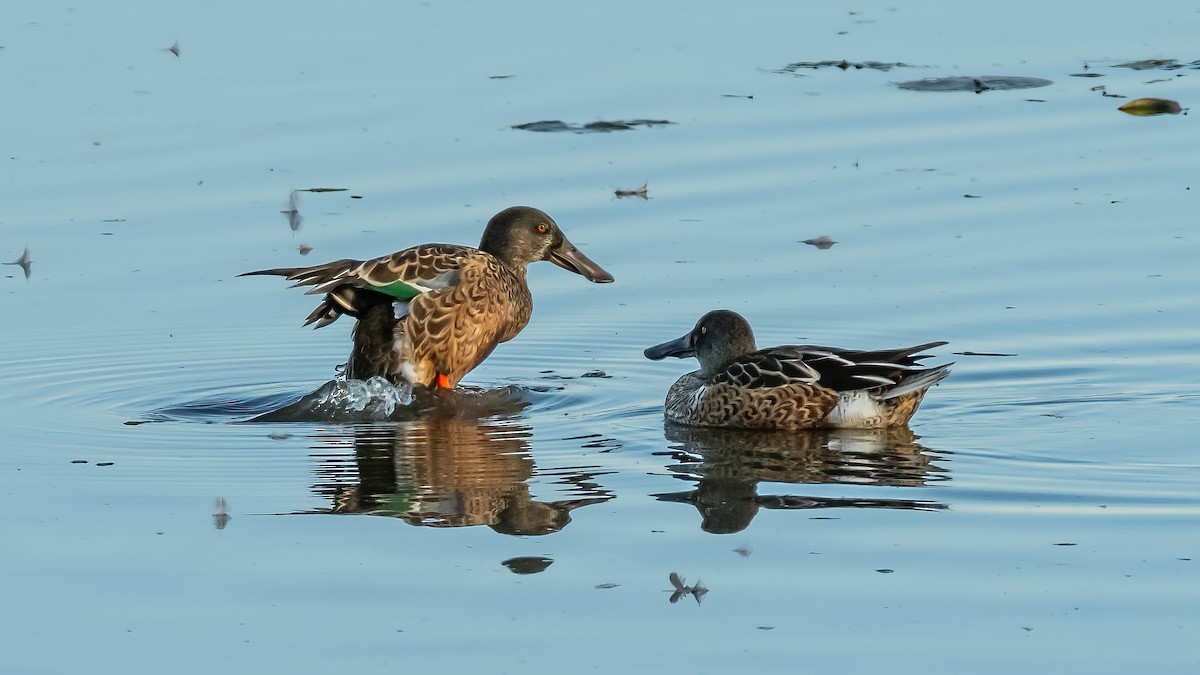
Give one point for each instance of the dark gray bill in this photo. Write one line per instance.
(566, 256)
(680, 348)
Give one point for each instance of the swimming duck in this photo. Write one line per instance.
(791, 387)
(430, 314)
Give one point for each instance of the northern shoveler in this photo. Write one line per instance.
(430, 314)
(791, 387)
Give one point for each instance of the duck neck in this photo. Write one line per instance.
(504, 250)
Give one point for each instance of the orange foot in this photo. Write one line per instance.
(443, 382)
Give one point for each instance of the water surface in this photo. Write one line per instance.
(1039, 516)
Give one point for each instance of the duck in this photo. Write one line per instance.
(430, 314)
(791, 387)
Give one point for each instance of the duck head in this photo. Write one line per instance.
(520, 235)
(720, 337)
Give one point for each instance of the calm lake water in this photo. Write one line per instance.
(1040, 516)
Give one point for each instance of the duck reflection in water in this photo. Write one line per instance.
(728, 465)
(455, 466)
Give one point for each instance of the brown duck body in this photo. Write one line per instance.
(448, 331)
(791, 387)
(430, 314)
(790, 407)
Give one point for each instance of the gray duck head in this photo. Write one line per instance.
(520, 235)
(720, 337)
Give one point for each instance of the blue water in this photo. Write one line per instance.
(1040, 517)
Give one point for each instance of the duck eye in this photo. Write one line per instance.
(703, 330)
(542, 228)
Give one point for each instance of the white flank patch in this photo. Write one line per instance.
(856, 410)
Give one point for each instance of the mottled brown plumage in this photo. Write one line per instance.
(791, 387)
(430, 314)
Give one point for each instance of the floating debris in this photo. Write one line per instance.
(279, 436)
(1066, 543)
(295, 221)
(822, 242)
(885, 570)
(745, 96)
(591, 127)
(791, 68)
(79, 461)
(597, 373)
(1158, 64)
(174, 49)
(528, 564)
(304, 249)
(323, 190)
(607, 585)
(220, 513)
(501, 77)
(975, 84)
(636, 192)
(25, 262)
(1146, 107)
(104, 463)
(765, 627)
(1087, 74)
(744, 550)
(697, 591)
(970, 196)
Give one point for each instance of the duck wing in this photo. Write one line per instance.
(830, 367)
(350, 286)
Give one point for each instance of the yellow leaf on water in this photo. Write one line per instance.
(1144, 107)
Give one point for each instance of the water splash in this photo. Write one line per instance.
(370, 400)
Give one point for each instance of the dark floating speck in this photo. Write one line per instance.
(220, 513)
(973, 196)
(292, 211)
(765, 627)
(590, 127)
(791, 68)
(607, 585)
(642, 192)
(975, 84)
(79, 461)
(596, 373)
(1087, 74)
(1066, 543)
(746, 96)
(681, 589)
(1158, 64)
(104, 463)
(527, 564)
(822, 242)
(174, 49)
(24, 262)
(324, 189)
(885, 570)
